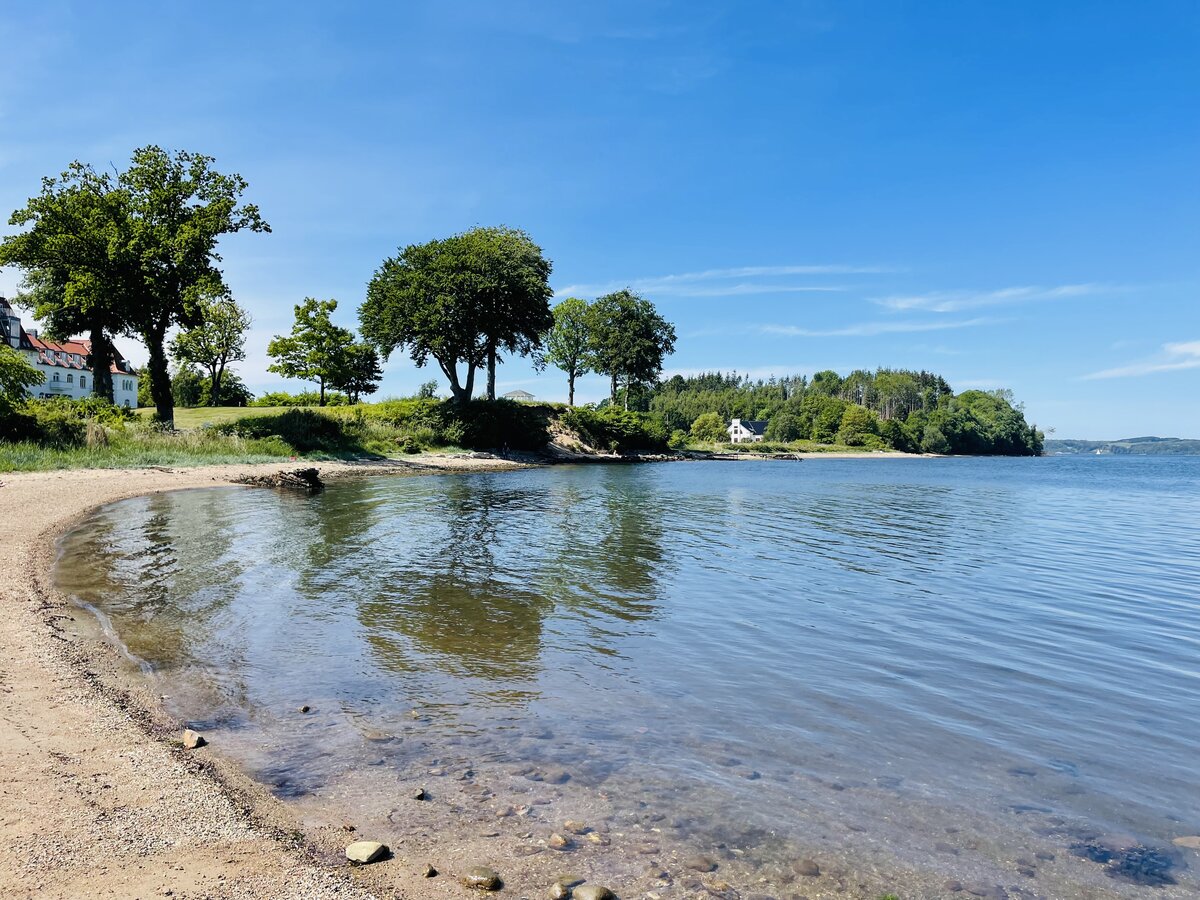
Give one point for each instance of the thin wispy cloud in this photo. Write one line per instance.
(872, 329)
(958, 301)
(1174, 357)
(742, 280)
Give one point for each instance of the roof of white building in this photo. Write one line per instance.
(70, 354)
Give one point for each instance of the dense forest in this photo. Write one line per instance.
(887, 408)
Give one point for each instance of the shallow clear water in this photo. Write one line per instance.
(918, 669)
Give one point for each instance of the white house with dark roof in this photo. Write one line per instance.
(67, 367)
(745, 431)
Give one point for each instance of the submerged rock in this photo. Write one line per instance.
(364, 852)
(193, 739)
(559, 891)
(808, 868)
(481, 878)
(559, 842)
(592, 892)
(701, 863)
(1191, 841)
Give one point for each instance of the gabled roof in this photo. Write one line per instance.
(755, 426)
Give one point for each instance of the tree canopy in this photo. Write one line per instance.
(129, 253)
(461, 300)
(628, 341)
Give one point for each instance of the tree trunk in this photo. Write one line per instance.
(613, 390)
(214, 386)
(160, 379)
(102, 358)
(321, 384)
(491, 372)
(469, 387)
(571, 389)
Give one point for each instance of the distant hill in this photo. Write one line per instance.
(1136, 446)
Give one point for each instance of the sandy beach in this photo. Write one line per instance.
(97, 798)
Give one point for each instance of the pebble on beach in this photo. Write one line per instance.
(364, 852)
(429, 872)
(481, 878)
(193, 739)
(559, 842)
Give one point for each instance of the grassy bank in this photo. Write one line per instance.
(141, 447)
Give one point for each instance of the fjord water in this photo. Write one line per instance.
(916, 669)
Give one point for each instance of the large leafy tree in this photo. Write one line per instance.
(461, 301)
(629, 340)
(177, 208)
(316, 350)
(567, 342)
(71, 280)
(218, 339)
(130, 252)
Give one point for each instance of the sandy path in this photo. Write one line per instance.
(95, 801)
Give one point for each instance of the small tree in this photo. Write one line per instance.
(362, 372)
(17, 376)
(217, 340)
(709, 428)
(316, 350)
(567, 342)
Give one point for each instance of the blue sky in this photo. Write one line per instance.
(1005, 193)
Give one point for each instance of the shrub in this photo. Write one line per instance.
(784, 428)
(709, 428)
(303, 430)
(304, 398)
(616, 430)
(678, 439)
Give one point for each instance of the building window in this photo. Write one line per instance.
(70, 378)
(56, 376)
(83, 381)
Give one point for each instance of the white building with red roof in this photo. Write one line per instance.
(67, 366)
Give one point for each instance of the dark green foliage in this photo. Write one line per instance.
(476, 424)
(858, 426)
(304, 430)
(785, 427)
(616, 430)
(59, 423)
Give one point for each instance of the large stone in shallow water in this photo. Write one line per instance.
(592, 892)
(364, 852)
(193, 739)
(1191, 841)
(481, 878)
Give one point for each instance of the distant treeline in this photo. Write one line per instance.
(1139, 446)
(887, 408)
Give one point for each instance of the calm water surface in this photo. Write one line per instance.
(917, 669)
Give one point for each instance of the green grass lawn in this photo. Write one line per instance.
(212, 415)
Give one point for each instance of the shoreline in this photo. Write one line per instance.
(96, 797)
